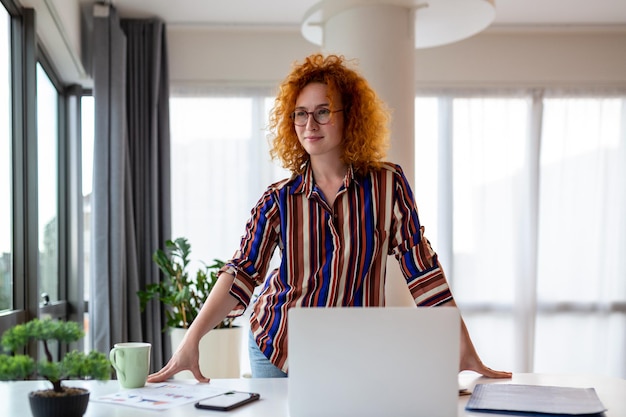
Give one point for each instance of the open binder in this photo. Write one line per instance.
(530, 400)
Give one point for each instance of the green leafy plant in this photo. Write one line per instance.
(183, 296)
(73, 365)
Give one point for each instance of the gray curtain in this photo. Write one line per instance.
(131, 191)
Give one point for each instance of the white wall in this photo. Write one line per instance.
(527, 59)
(488, 59)
(207, 56)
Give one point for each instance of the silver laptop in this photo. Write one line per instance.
(361, 362)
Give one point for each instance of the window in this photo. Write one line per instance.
(581, 266)
(6, 257)
(526, 195)
(87, 138)
(47, 156)
(475, 147)
(35, 241)
(522, 197)
(87, 141)
(220, 167)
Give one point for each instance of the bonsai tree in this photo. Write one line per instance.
(183, 296)
(73, 365)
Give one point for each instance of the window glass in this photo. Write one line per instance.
(220, 168)
(581, 241)
(486, 138)
(87, 142)
(47, 164)
(489, 140)
(427, 165)
(582, 201)
(87, 138)
(6, 281)
(469, 153)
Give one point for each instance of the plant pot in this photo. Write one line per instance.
(220, 352)
(47, 403)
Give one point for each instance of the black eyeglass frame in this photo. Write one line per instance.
(312, 113)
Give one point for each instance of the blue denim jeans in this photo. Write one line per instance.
(260, 366)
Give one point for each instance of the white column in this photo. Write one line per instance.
(380, 39)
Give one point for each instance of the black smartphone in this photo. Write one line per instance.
(227, 401)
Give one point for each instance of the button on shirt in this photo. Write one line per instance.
(330, 256)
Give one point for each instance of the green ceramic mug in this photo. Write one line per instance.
(131, 362)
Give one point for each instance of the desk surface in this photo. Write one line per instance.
(273, 402)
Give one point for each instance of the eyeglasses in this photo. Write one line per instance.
(321, 116)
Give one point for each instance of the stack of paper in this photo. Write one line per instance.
(535, 399)
(161, 396)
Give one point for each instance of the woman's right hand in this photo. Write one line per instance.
(186, 358)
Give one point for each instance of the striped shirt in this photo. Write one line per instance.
(331, 256)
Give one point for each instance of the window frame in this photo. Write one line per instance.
(26, 52)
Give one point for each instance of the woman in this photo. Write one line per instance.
(336, 220)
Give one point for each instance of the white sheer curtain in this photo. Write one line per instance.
(527, 198)
(220, 165)
(581, 275)
(522, 194)
(220, 168)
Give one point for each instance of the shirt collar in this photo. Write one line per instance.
(304, 183)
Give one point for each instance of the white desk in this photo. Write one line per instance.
(273, 402)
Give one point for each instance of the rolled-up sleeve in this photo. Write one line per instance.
(250, 263)
(418, 261)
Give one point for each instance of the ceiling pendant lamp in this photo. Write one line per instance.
(437, 22)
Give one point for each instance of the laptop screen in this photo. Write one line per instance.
(393, 361)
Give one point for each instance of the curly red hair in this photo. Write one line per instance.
(366, 131)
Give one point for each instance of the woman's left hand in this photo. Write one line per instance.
(469, 360)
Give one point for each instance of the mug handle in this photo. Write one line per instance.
(112, 357)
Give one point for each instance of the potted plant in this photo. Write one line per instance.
(183, 295)
(60, 400)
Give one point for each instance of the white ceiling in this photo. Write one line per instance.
(554, 14)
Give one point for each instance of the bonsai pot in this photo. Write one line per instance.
(59, 400)
(48, 403)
